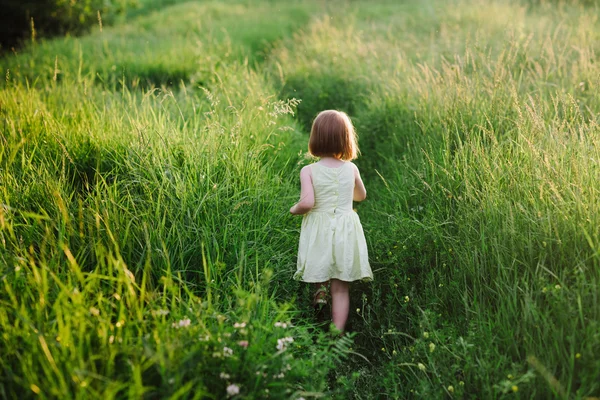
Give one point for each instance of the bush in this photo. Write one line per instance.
(21, 20)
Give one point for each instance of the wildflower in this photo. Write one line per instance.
(204, 338)
(383, 349)
(233, 389)
(243, 343)
(426, 335)
(394, 352)
(223, 375)
(515, 388)
(510, 376)
(184, 323)
(557, 287)
(239, 325)
(94, 311)
(431, 347)
(578, 355)
(421, 367)
(358, 310)
(406, 299)
(544, 290)
(451, 389)
(281, 325)
(227, 352)
(282, 343)
(160, 312)
(461, 383)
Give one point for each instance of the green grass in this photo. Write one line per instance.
(146, 171)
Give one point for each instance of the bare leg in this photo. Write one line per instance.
(340, 299)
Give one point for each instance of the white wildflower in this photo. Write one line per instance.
(233, 389)
(283, 342)
(184, 323)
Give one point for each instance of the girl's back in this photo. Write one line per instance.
(333, 187)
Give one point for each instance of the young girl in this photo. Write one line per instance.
(332, 243)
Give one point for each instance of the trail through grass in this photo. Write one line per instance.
(146, 172)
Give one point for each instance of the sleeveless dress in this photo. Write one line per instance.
(332, 241)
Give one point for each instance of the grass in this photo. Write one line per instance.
(146, 171)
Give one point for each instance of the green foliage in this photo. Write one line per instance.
(32, 20)
(146, 172)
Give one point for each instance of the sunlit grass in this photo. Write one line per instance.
(146, 172)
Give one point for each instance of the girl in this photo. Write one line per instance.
(332, 243)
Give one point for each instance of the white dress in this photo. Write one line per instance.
(332, 241)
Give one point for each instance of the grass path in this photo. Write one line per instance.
(147, 170)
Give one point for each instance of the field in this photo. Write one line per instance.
(147, 170)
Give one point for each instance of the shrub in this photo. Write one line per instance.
(31, 19)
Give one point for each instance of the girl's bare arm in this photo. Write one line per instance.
(360, 193)
(307, 194)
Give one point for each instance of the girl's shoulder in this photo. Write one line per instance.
(306, 170)
(354, 167)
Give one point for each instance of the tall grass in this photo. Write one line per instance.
(481, 159)
(146, 172)
(140, 233)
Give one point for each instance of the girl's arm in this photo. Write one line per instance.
(307, 194)
(360, 193)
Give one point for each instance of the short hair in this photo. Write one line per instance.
(333, 135)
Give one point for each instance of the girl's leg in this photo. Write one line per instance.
(340, 299)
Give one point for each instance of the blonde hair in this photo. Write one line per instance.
(333, 135)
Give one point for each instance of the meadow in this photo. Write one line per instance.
(147, 169)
